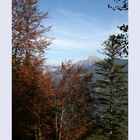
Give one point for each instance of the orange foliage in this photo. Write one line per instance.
(71, 98)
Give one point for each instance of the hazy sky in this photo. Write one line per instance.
(79, 27)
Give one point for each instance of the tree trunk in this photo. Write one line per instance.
(61, 123)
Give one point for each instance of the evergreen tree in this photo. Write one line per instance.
(111, 91)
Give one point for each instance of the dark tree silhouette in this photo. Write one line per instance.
(121, 5)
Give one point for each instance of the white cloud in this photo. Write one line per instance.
(65, 43)
(67, 13)
(70, 41)
(79, 33)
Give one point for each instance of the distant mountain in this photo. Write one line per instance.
(51, 68)
(89, 64)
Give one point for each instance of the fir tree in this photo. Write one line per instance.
(111, 92)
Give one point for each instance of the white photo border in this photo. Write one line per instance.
(5, 70)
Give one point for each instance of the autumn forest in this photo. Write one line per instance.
(74, 105)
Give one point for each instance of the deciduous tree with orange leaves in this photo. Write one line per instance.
(74, 102)
(29, 44)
